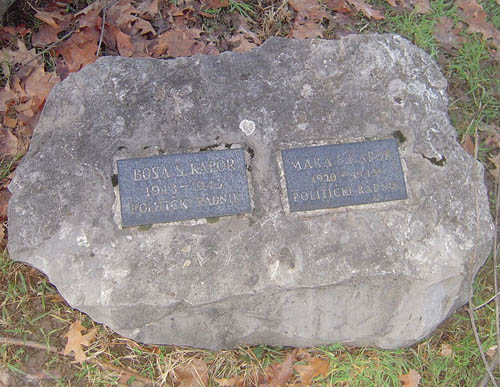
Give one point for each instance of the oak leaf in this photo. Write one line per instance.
(411, 379)
(446, 350)
(50, 18)
(4, 203)
(338, 6)
(8, 143)
(447, 35)
(468, 144)
(473, 14)
(367, 10)
(277, 375)
(149, 9)
(76, 340)
(315, 368)
(235, 381)
(194, 374)
(178, 42)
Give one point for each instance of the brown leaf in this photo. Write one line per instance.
(50, 18)
(215, 4)
(308, 30)
(179, 42)
(240, 43)
(366, 10)
(411, 379)
(392, 3)
(76, 340)
(446, 350)
(194, 374)
(8, 143)
(468, 144)
(447, 35)
(4, 204)
(473, 14)
(149, 9)
(338, 6)
(40, 83)
(308, 9)
(45, 35)
(235, 381)
(315, 368)
(277, 375)
(423, 7)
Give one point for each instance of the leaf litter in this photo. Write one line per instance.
(165, 30)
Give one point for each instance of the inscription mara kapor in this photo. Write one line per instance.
(331, 176)
(183, 186)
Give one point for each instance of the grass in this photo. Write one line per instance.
(32, 311)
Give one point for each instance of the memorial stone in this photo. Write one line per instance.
(303, 193)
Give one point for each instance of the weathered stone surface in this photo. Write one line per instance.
(383, 274)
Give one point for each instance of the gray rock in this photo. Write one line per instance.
(382, 274)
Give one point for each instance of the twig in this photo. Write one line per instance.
(493, 364)
(495, 263)
(49, 47)
(470, 308)
(487, 302)
(103, 25)
(28, 343)
(107, 366)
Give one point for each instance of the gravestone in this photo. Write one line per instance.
(303, 193)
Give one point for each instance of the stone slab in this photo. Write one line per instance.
(184, 186)
(382, 274)
(340, 175)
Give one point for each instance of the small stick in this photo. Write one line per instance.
(487, 302)
(28, 343)
(102, 31)
(49, 47)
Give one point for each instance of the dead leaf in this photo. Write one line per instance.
(277, 375)
(468, 144)
(315, 368)
(4, 204)
(235, 381)
(76, 340)
(215, 4)
(307, 22)
(338, 6)
(178, 42)
(491, 351)
(411, 379)
(40, 83)
(365, 9)
(392, 3)
(422, 7)
(447, 35)
(50, 18)
(473, 14)
(446, 350)
(8, 143)
(149, 9)
(194, 374)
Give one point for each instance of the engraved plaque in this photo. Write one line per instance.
(331, 176)
(183, 186)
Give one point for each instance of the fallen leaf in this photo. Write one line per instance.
(149, 9)
(307, 22)
(8, 143)
(277, 375)
(50, 18)
(76, 340)
(473, 14)
(446, 350)
(411, 379)
(366, 10)
(235, 381)
(491, 351)
(194, 374)
(178, 42)
(338, 6)
(241, 43)
(315, 368)
(40, 83)
(215, 4)
(4, 204)
(468, 144)
(447, 35)
(422, 7)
